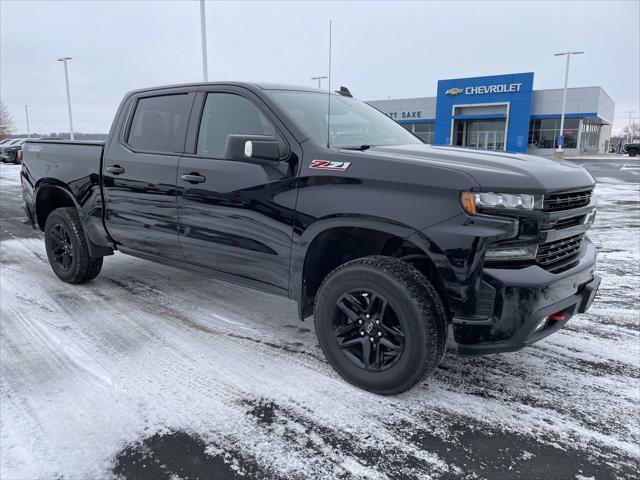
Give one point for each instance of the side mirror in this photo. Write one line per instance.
(252, 147)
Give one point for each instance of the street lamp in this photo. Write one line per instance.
(564, 96)
(203, 35)
(26, 112)
(66, 79)
(319, 78)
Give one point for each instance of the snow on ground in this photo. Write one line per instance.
(149, 371)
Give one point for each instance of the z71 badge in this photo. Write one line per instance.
(327, 165)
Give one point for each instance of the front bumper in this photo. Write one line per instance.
(523, 298)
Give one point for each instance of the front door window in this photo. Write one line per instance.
(225, 114)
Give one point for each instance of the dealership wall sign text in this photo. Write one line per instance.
(484, 89)
(405, 115)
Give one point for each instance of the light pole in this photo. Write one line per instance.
(66, 79)
(203, 34)
(629, 135)
(319, 78)
(564, 94)
(26, 112)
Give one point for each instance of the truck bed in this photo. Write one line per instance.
(65, 154)
(73, 166)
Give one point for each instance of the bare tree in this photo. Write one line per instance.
(635, 131)
(6, 122)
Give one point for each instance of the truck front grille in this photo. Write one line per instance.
(559, 250)
(554, 202)
(563, 223)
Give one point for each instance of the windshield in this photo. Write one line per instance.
(354, 124)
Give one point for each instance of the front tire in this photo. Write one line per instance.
(380, 323)
(632, 152)
(67, 248)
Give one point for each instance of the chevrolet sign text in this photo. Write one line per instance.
(484, 89)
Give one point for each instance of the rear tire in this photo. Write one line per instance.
(380, 323)
(67, 248)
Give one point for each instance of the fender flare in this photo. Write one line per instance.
(52, 183)
(94, 250)
(302, 244)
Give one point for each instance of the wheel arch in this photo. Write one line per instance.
(331, 242)
(51, 194)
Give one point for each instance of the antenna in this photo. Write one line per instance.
(329, 92)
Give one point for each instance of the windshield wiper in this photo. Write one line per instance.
(358, 147)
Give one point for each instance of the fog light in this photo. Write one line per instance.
(541, 324)
(526, 252)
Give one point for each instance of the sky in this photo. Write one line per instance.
(380, 49)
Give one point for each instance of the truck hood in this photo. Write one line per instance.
(495, 171)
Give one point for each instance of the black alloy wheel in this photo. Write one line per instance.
(368, 331)
(380, 323)
(62, 251)
(67, 248)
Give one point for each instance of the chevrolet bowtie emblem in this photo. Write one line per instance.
(454, 91)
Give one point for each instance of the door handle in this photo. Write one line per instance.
(115, 169)
(193, 178)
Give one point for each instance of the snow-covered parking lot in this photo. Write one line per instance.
(152, 372)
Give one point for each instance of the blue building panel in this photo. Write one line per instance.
(567, 115)
(490, 116)
(515, 90)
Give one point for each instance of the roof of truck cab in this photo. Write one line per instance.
(280, 86)
(249, 85)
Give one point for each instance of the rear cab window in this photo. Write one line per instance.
(159, 123)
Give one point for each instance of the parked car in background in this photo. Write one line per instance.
(4, 143)
(632, 149)
(11, 152)
(3, 146)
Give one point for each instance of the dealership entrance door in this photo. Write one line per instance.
(485, 134)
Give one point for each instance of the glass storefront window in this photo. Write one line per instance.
(546, 138)
(543, 133)
(424, 130)
(483, 134)
(571, 123)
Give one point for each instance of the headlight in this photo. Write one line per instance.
(474, 201)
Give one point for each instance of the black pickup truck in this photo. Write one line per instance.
(632, 149)
(388, 242)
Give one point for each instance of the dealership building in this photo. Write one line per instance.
(504, 112)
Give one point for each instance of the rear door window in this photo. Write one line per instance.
(159, 124)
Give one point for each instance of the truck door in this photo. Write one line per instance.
(139, 173)
(235, 216)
